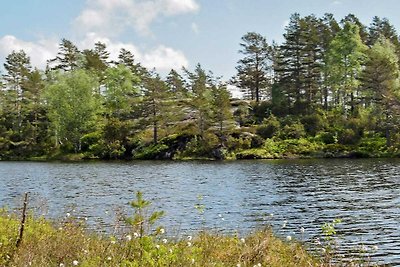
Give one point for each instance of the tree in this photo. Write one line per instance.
(126, 58)
(328, 28)
(18, 68)
(176, 84)
(121, 97)
(380, 78)
(155, 104)
(96, 59)
(221, 107)
(253, 70)
(200, 84)
(345, 57)
(68, 57)
(72, 107)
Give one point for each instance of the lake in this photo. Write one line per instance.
(237, 196)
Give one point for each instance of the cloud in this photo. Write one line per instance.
(39, 51)
(112, 17)
(336, 3)
(161, 57)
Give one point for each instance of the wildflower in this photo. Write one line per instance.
(189, 244)
(113, 242)
(242, 240)
(75, 262)
(289, 238)
(170, 250)
(271, 214)
(85, 251)
(192, 261)
(128, 237)
(68, 214)
(165, 241)
(375, 248)
(62, 265)
(323, 250)
(284, 224)
(189, 237)
(157, 246)
(162, 230)
(238, 265)
(302, 230)
(109, 258)
(135, 235)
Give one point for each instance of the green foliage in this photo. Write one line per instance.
(294, 130)
(269, 127)
(142, 220)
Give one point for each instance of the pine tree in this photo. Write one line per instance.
(68, 57)
(253, 70)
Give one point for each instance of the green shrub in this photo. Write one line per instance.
(269, 127)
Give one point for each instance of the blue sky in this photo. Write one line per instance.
(165, 33)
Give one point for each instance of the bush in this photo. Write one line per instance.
(348, 137)
(293, 131)
(313, 123)
(269, 127)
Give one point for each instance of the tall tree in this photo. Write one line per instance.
(253, 69)
(221, 108)
(96, 59)
(176, 84)
(345, 57)
(328, 29)
(72, 107)
(18, 68)
(155, 104)
(68, 57)
(380, 79)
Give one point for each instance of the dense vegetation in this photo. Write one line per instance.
(331, 89)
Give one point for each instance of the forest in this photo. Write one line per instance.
(330, 89)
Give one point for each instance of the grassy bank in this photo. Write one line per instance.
(68, 244)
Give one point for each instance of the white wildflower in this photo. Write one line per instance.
(192, 260)
(242, 240)
(289, 238)
(128, 237)
(61, 265)
(75, 262)
(135, 235)
(189, 244)
(375, 248)
(109, 258)
(157, 246)
(162, 230)
(165, 241)
(189, 237)
(302, 230)
(113, 242)
(68, 214)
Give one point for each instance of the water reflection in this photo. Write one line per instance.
(365, 194)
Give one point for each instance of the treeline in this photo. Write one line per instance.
(331, 85)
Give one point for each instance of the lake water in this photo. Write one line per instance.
(237, 196)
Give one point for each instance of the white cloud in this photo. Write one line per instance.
(114, 16)
(161, 57)
(336, 2)
(39, 51)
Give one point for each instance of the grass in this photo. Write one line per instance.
(67, 243)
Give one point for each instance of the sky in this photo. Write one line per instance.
(165, 34)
